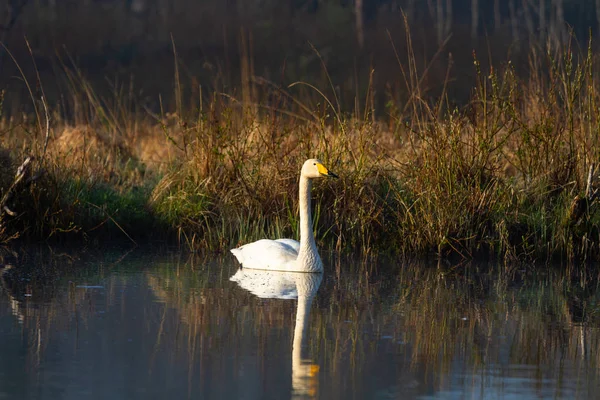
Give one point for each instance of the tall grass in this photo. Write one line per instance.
(505, 174)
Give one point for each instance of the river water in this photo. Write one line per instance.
(152, 324)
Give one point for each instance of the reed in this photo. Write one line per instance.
(511, 173)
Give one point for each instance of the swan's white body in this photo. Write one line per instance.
(288, 254)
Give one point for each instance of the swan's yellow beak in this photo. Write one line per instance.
(325, 172)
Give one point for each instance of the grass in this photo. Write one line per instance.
(506, 174)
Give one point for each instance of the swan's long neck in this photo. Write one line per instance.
(308, 256)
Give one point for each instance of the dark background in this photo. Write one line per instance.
(340, 45)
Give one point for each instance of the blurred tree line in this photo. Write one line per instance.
(536, 17)
(277, 39)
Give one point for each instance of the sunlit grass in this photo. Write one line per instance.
(501, 175)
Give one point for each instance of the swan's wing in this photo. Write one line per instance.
(267, 284)
(266, 254)
(294, 244)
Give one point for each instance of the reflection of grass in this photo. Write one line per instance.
(42, 292)
(483, 319)
(427, 319)
(480, 319)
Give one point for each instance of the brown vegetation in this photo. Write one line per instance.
(497, 175)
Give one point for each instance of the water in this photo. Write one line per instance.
(140, 325)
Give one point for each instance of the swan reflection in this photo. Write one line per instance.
(290, 285)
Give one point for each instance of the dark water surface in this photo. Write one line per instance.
(137, 325)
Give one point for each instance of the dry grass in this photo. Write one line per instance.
(497, 175)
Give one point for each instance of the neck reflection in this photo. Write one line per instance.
(290, 285)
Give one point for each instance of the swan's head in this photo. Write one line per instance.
(314, 168)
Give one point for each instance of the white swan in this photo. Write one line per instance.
(288, 254)
(284, 285)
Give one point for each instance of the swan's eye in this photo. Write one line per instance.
(314, 163)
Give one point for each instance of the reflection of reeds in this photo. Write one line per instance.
(430, 321)
(47, 293)
(430, 318)
(476, 319)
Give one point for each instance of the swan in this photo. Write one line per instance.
(288, 254)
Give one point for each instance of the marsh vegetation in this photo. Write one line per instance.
(510, 172)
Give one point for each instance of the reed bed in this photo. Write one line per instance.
(512, 173)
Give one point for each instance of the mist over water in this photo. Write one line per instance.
(154, 325)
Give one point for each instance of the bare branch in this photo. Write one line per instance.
(22, 172)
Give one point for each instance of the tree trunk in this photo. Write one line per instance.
(514, 23)
(51, 7)
(410, 10)
(138, 6)
(164, 8)
(542, 18)
(360, 33)
(598, 13)
(528, 18)
(497, 15)
(449, 17)
(474, 19)
(559, 21)
(439, 24)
